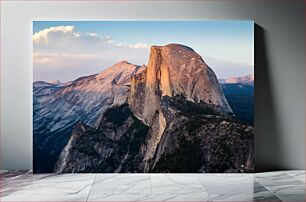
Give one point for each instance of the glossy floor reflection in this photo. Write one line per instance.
(286, 186)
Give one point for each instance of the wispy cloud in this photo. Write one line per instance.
(139, 45)
(41, 37)
(65, 35)
(63, 47)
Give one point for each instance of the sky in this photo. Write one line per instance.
(67, 50)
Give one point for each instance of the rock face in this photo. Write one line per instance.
(59, 107)
(200, 139)
(174, 70)
(113, 147)
(169, 117)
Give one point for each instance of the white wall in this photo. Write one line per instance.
(279, 67)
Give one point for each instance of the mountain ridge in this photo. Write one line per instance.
(58, 107)
(131, 118)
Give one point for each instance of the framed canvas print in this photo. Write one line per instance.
(143, 96)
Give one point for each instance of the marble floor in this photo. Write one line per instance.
(286, 186)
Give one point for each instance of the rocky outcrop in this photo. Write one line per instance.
(174, 70)
(115, 146)
(86, 149)
(201, 139)
(191, 140)
(58, 107)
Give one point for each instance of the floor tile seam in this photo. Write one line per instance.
(208, 194)
(91, 187)
(151, 183)
(272, 192)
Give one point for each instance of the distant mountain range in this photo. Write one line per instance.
(239, 92)
(168, 116)
(247, 79)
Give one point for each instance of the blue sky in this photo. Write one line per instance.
(65, 50)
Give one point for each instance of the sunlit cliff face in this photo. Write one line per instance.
(175, 70)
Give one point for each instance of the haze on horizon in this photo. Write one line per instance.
(67, 50)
